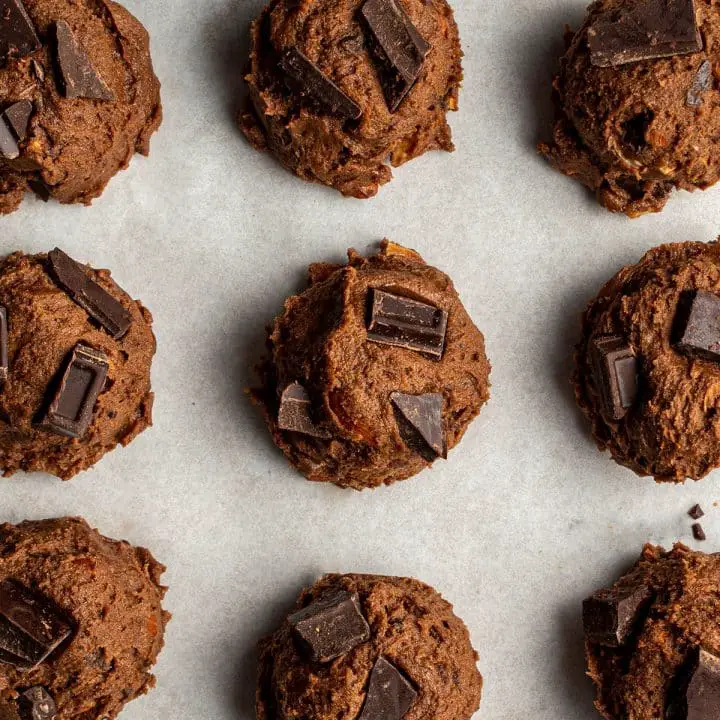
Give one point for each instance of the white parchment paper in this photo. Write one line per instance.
(524, 519)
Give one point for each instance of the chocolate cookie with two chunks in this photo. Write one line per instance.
(373, 372)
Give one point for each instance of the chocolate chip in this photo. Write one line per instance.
(38, 704)
(644, 31)
(32, 627)
(389, 695)
(17, 118)
(701, 83)
(614, 369)
(695, 512)
(17, 32)
(97, 302)
(331, 626)
(295, 413)
(397, 320)
(397, 47)
(696, 330)
(79, 77)
(4, 362)
(698, 532)
(610, 614)
(424, 415)
(309, 82)
(71, 410)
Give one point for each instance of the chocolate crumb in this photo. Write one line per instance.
(698, 532)
(695, 512)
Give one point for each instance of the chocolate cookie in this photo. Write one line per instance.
(638, 109)
(363, 647)
(648, 365)
(81, 621)
(339, 87)
(652, 640)
(78, 97)
(75, 356)
(373, 372)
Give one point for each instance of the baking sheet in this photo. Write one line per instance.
(525, 518)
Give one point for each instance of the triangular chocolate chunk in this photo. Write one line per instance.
(17, 32)
(79, 77)
(295, 412)
(389, 695)
(424, 414)
(17, 117)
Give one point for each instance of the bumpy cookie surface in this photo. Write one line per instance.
(412, 631)
(668, 640)
(633, 132)
(109, 592)
(671, 426)
(349, 153)
(357, 384)
(44, 327)
(74, 145)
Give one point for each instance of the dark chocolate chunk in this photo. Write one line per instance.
(702, 82)
(397, 320)
(79, 77)
(397, 47)
(698, 532)
(308, 81)
(389, 695)
(424, 414)
(644, 31)
(38, 704)
(4, 361)
(17, 32)
(615, 372)
(295, 413)
(40, 189)
(695, 512)
(9, 148)
(71, 410)
(696, 330)
(97, 302)
(695, 693)
(32, 627)
(331, 626)
(17, 117)
(610, 614)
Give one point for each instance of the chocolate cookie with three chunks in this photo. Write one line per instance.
(373, 372)
(363, 653)
(75, 352)
(648, 363)
(637, 103)
(664, 660)
(339, 88)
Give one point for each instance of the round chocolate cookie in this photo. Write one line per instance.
(361, 647)
(75, 356)
(79, 97)
(652, 640)
(647, 371)
(339, 87)
(373, 372)
(81, 621)
(638, 108)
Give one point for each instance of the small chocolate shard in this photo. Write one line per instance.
(397, 47)
(389, 695)
(424, 414)
(698, 532)
(17, 118)
(4, 361)
(309, 82)
(696, 330)
(610, 614)
(38, 704)
(701, 83)
(295, 413)
(644, 31)
(17, 32)
(615, 372)
(79, 77)
(696, 512)
(32, 627)
(331, 626)
(39, 71)
(397, 320)
(71, 410)
(96, 301)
